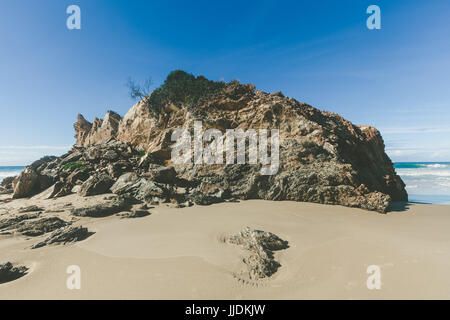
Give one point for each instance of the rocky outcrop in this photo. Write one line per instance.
(101, 131)
(260, 263)
(323, 158)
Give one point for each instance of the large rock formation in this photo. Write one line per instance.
(323, 158)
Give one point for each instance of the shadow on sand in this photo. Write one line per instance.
(400, 206)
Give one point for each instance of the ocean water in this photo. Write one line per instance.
(426, 182)
(9, 172)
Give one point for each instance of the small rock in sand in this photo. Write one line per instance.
(135, 214)
(260, 263)
(65, 235)
(30, 209)
(8, 272)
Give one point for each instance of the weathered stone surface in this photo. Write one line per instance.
(161, 174)
(96, 184)
(101, 131)
(7, 183)
(107, 208)
(140, 188)
(64, 235)
(71, 157)
(9, 272)
(323, 158)
(25, 184)
(82, 128)
(13, 222)
(124, 183)
(135, 214)
(32, 208)
(40, 226)
(260, 263)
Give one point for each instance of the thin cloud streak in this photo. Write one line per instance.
(412, 130)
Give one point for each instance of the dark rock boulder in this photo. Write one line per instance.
(96, 184)
(26, 184)
(140, 188)
(7, 183)
(9, 272)
(161, 174)
(107, 208)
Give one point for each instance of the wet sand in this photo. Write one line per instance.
(178, 254)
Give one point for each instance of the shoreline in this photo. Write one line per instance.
(178, 254)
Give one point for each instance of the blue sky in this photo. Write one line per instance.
(320, 52)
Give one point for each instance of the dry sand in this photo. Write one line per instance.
(178, 254)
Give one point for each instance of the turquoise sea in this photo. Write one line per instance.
(426, 182)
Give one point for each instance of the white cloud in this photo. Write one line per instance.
(24, 155)
(419, 154)
(412, 130)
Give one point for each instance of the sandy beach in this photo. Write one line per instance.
(178, 253)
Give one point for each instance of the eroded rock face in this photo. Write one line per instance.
(260, 263)
(101, 131)
(82, 128)
(323, 157)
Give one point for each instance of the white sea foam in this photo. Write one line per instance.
(426, 182)
(8, 173)
(422, 172)
(437, 165)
